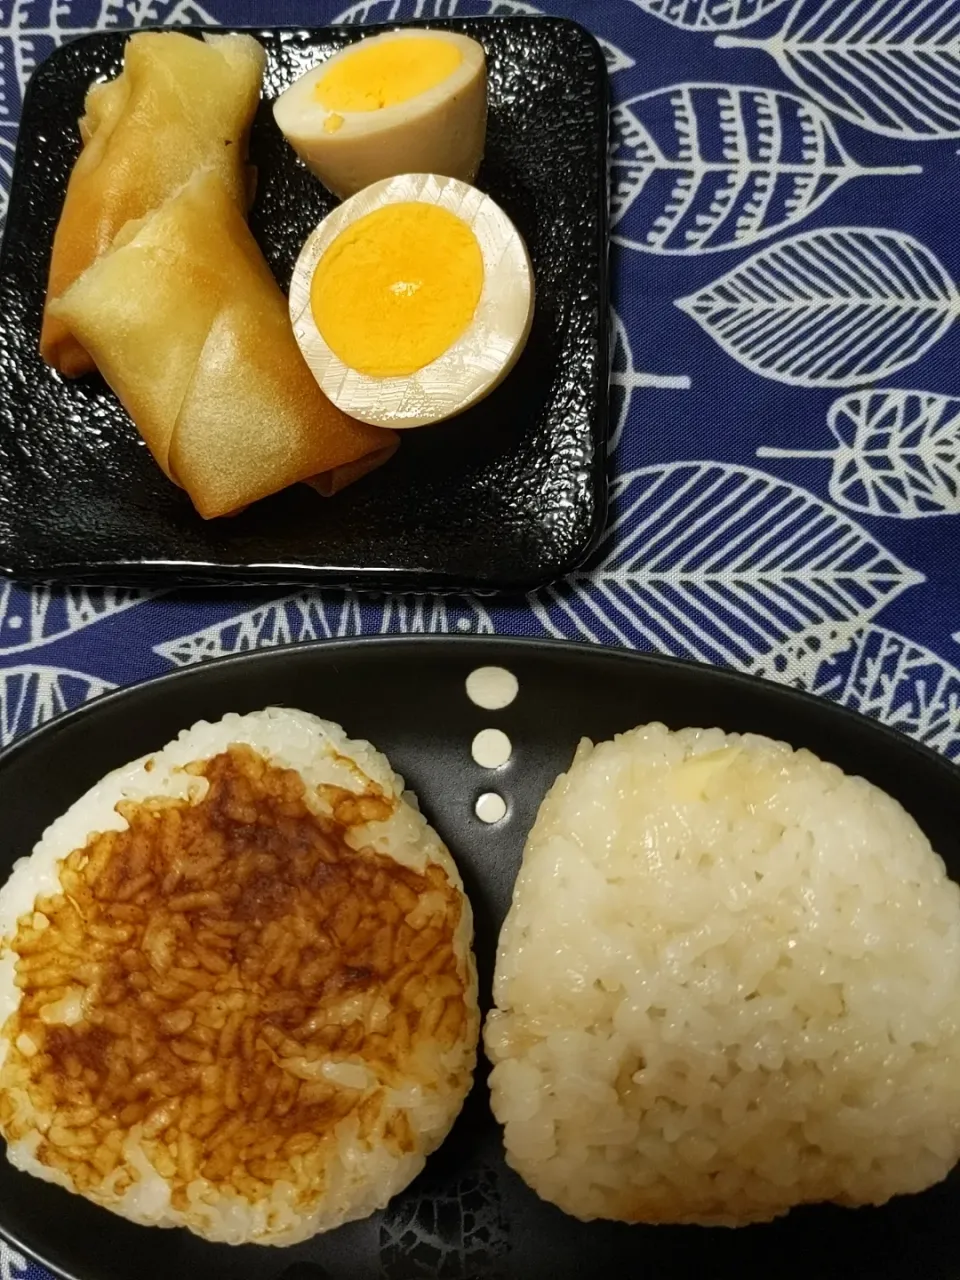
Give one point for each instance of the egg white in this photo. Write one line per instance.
(440, 131)
(477, 362)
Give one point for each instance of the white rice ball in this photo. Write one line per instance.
(249, 1006)
(729, 983)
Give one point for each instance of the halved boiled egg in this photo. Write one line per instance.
(409, 101)
(412, 300)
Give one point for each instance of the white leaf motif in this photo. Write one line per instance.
(31, 695)
(474, 1234)
(617, 60)
(7, 148)
(721, 563)
(709, 15)
(369, 11)
(13, 1265)
(140, 13)
(832, 308)
(40, 615)
(879, 673)
(703, 167)
(898, 454)
(33, 23)
(625, 380)
(892, 66)
(327, 616)
(27, 31)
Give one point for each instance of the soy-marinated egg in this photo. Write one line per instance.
(409, 101)
(412, 300)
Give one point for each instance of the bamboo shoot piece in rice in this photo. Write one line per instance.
(179, 104)
(188, 326)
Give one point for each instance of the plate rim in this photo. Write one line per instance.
(647, 660)
(162, 572)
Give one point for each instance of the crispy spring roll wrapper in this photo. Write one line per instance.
(188, 326)
(179, 105)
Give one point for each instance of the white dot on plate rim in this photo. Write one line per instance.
(492, 688)
(491, 807)
(491, 748)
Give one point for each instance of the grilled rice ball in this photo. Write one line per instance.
(237, 991)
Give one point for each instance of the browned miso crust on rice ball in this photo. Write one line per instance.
(222, 950)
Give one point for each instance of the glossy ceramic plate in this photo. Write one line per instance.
(468, 1217)
(511, 495)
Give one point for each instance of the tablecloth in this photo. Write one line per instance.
(786, 368)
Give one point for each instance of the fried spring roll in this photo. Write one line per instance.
(179, 104)
(188, 326)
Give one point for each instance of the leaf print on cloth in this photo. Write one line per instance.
(371, 11)
(898, 454)
(330, 616)
(13, 1265)
(617, 60)
(34, 26)
(31, 695)
(60, 19)
(879, 673)
(7, 148)
(709, 15)
(702, 167)
(31, 616)
(625, 380)
(141, 13)
(23, 45)
(452, 1229)
(721, 563)
(892, 66)
(830, 308)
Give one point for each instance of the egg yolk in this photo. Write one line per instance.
(385, 74)
(397, 289)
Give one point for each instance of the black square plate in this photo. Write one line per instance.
(510, 496)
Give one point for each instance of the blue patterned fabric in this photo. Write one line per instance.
(785, 381)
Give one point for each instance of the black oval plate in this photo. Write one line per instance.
(468, 1217)
(510, 496)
